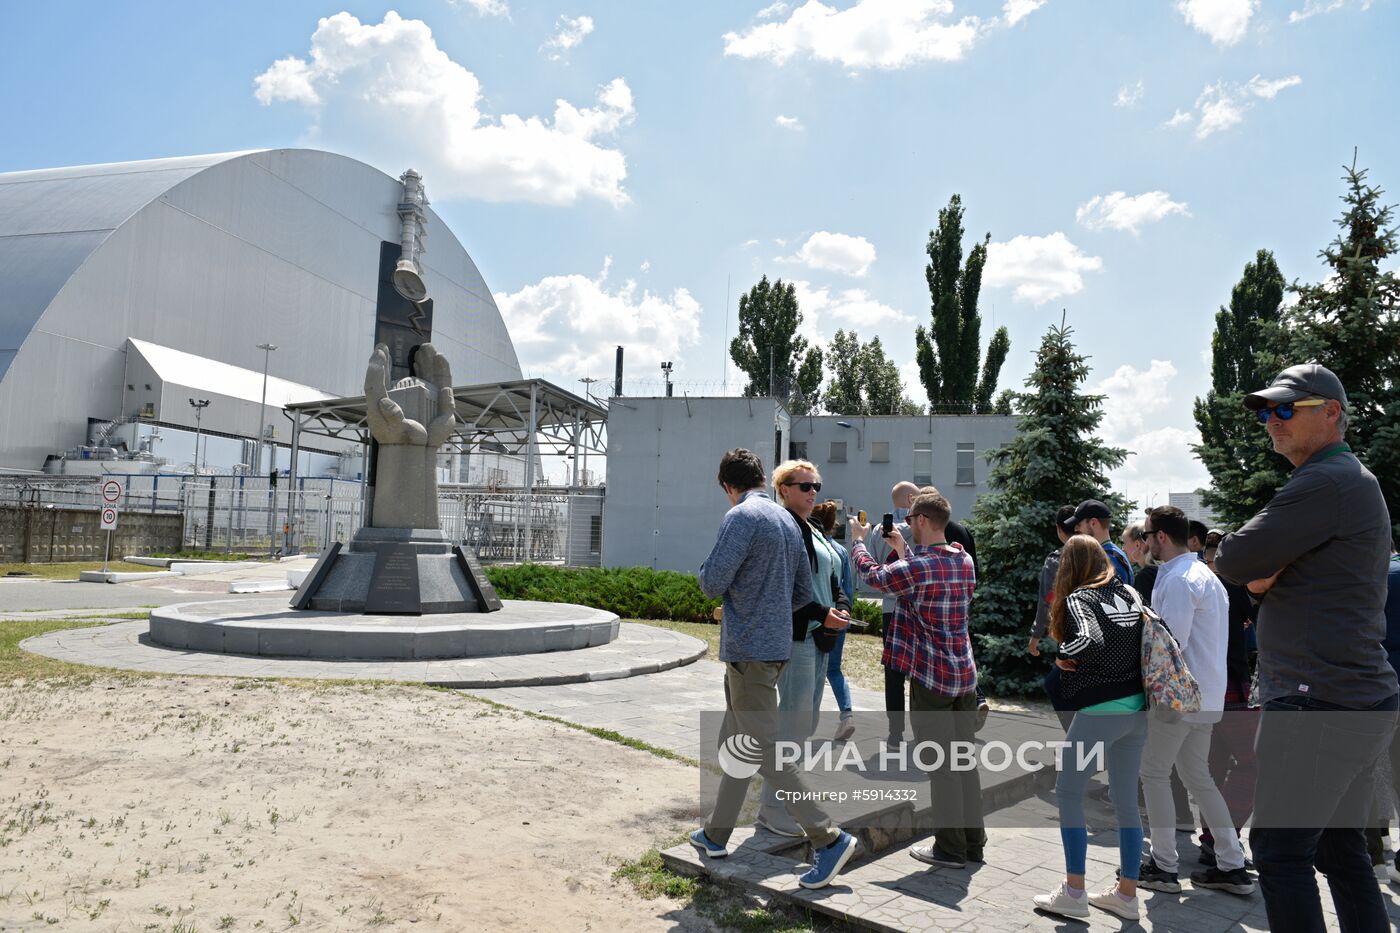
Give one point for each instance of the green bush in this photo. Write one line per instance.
(868, 611)
(631, 592)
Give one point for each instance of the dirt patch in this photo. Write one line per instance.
(216, 804)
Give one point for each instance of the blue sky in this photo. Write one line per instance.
(1127, 158)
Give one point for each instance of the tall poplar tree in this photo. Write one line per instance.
(1056, 459)
(1245, 471)
(771, 353)
(949, 350)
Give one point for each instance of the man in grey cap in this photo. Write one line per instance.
(1316, 558)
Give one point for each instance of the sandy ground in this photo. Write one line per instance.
(212, 804)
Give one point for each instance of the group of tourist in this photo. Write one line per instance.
(1302, 586)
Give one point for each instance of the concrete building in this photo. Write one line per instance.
(665, 504)
(129, 288)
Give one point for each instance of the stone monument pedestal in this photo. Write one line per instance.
(397, 571)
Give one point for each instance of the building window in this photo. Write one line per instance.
(967, 475)
(879, 451)
(797, 450)
(923, 463)
(838, 452)
(595, 534)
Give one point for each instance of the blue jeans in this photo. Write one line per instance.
(800, 687)
(1331, 764)
(839, 688)
(1123, 736)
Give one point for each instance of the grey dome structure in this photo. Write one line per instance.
(117, 279)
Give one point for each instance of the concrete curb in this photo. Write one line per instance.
(112, 576)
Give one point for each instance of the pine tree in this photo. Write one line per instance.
(1350, 323)
(1245, 471)
(769, 350)
(949, 351)
(1056, 459)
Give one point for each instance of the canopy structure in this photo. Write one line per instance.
(523, 417)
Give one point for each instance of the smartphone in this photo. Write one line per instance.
(859, 623)
(887, 524)
(860, 516)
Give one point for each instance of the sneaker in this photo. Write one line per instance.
(983, 710)
(1060, 901)
(1156, 879)
(706, 847)
(845, 730)
(827, 862)
(977, 857)
(1394, 874)
(1113, 902)
(789, 833)
(931, 854)
(1237, 881)
(1207, 856)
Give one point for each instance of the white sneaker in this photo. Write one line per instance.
(845, 730)
(1111, 902)
(1059, 902)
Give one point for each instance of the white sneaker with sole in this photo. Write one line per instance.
(1111, 902)
(1059, 902)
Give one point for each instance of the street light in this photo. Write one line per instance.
(666, 372)
(198, 407)
(860, 441)
(267, 349)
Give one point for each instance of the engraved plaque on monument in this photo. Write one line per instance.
(393, 588)
(476, 578)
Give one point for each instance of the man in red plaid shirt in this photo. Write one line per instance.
(933, 582)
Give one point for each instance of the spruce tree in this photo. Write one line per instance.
(1350, 323)
(1245, 471)
(1056, 459)
(949, 351)
(769, 350)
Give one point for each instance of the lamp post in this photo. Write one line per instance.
(860, 441)
(267, 349)
(588, 391)
(198, 407)
(666, 372)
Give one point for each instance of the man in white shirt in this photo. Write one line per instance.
(1194, 604)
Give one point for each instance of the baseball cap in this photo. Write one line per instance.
(1299, 382)
(1089, 508)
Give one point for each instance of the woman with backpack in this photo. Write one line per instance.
(1097, 621)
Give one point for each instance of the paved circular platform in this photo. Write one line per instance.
(638, 649)
(268, 628)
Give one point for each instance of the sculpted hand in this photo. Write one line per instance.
(386, 419)
(432, 367)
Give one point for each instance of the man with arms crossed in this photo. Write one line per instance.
(932, 583)
(759, 566)
(1196, 608)
(1317, 556)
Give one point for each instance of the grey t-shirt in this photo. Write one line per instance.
(1321, 627)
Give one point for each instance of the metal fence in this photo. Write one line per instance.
(246, 514)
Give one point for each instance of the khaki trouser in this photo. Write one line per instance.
(751, 708)
(957, 795)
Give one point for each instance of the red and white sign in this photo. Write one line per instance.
(109, 517)
(111, 491)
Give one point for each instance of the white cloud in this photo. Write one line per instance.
(1040, 268)
(772, 10)
(1312, 8)
(789, 123)
(836, 252)
(749, 243)
(1119, 211)
(1225, 21)
(1223, 105)
(1137, 412)
(646, 265)
(1017, 10)
(486, 7)
(825, 311)
(1129, 95)
(886, 34)
(387, 94)
(572, 29)
(571, 323)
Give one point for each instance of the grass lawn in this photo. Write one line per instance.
(17, 665)
(70, 570)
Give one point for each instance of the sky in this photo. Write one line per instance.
(621, 172)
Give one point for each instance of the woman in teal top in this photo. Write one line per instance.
(1097, 622)
(800, 686)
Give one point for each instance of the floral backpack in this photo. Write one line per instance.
(1166, 680)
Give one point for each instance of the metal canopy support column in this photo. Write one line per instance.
(291, 532)
(530, 473)
(573, 499)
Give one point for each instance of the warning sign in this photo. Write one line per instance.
(111, 491)
(109, 517)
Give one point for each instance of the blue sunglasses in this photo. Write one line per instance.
(1284, 410)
